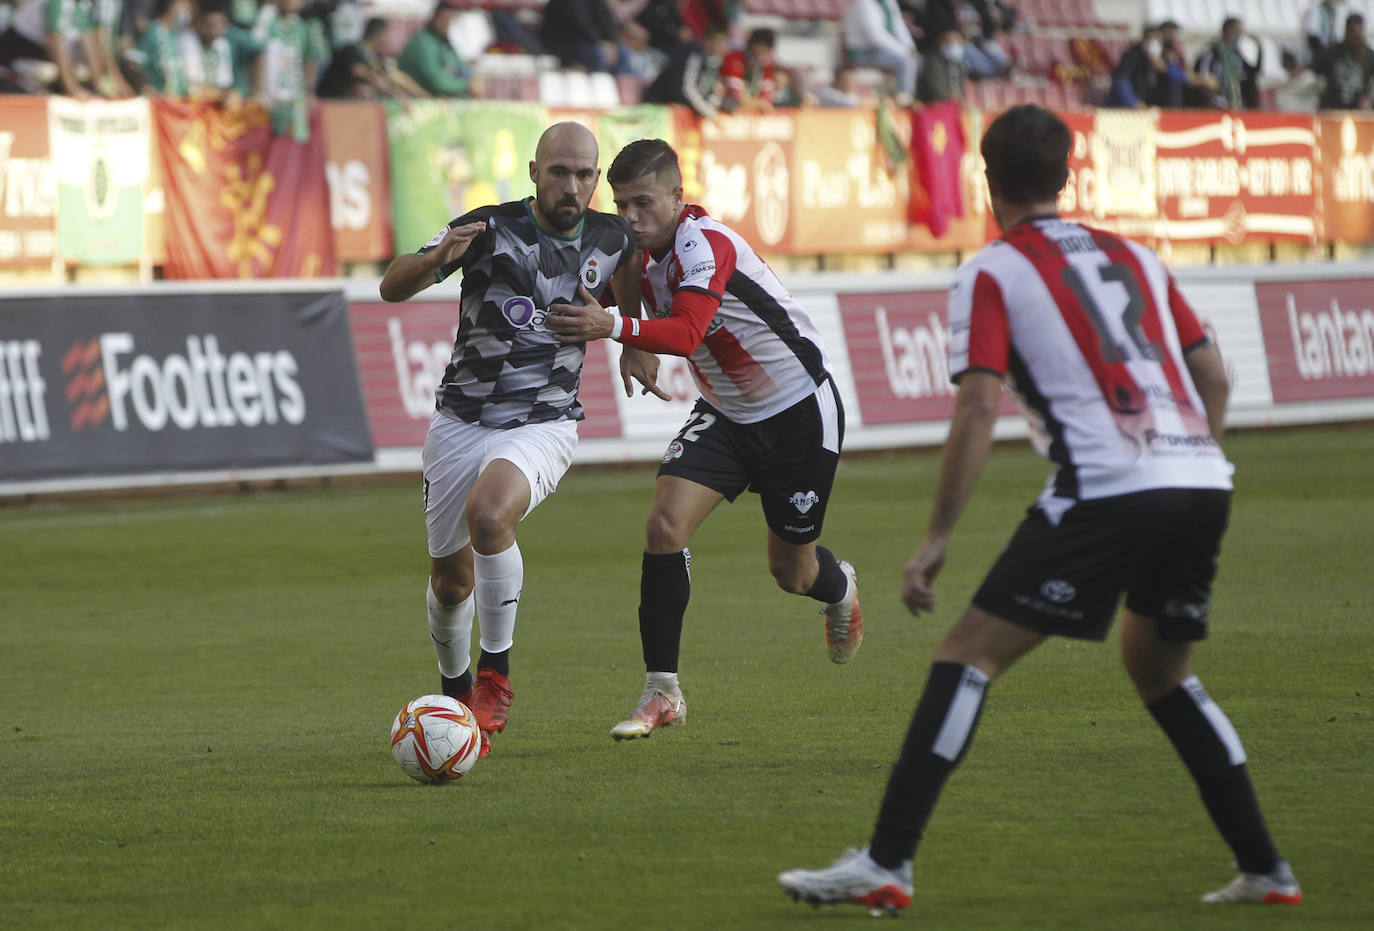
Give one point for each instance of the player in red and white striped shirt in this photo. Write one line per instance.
(769, 419)
(1127, 398)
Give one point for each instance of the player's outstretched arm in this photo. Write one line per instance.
(409, 274)
(965, 454)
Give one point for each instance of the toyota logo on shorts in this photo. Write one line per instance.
(1058, 591)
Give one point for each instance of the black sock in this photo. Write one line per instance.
(665, 585)
(939, 735)
(498, 661)
(458, 686)
(831, 583)
(1204, 738)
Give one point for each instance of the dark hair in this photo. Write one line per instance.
(1355, 18)
(644, 157)
(765, 37)
(374, 25)
(1230, 21)
(208, 7)
(1027, 153)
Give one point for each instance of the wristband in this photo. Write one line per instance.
(616, 326)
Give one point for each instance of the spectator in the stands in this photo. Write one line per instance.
(64, 32)
(748, 74)
(984, 56)
(583, 34)
(844, 91)
(207, 56)
(161, 62)
(942, 73)
(1237, 80)
(286, 71)
(663, 20)
(1178, 80)
(1349, 70)
(1139, 72)
(638, 58)
(876, 35)
(692, 75)
(1323, 26)
(697, 15)
(431, 61)
(361, 72)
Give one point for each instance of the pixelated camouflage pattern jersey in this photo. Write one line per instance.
(507, 369)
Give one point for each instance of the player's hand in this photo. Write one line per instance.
(917, 592)
(456, 241)
(638, 365)
(579, 323)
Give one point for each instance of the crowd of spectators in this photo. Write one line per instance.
(1155, 71)
(692, 52)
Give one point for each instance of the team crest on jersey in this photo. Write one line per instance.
(590, 274)
(804, 501)
(674, 451)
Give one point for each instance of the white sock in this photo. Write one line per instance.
(499, 580)
(450, 630)
(665, 682)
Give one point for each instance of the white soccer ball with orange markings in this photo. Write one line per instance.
(435, 739)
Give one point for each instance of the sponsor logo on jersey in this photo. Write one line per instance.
(590, 274)
(689, 245)
(804, 501)
(674, 451)
(522, 313)
(1058, 591)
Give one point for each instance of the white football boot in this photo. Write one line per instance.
(844, 622)
(853, 878)
(1277, 888)
(661, 705)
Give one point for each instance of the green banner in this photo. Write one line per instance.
(617, 128)
(101, 154)
(449, 157)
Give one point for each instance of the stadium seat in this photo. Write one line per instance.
(553, 89)
(631, 89)
(602, 91)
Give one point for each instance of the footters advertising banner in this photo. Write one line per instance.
(109, 385)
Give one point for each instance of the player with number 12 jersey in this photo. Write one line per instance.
(1094, 352)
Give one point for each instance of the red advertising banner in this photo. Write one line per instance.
(402, 351)
(903, 337)
(1236, 177)
(242, 203)
(28, 188)
(1318, 338)
(355, 164)
(1347, 171)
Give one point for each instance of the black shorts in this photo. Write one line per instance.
(1158, 547)
(788, 459)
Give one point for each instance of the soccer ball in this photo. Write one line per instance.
(435, 739)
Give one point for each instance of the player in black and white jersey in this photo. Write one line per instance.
(1127, 397)
(769, 418)
(505, 423)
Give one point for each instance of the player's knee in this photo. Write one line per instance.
(450, 588)
(662, 534)
(491, 527)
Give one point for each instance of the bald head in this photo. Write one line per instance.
(566, 138)
(565, 173)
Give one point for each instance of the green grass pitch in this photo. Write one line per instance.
(195, 696)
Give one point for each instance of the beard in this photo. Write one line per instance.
(563, 215)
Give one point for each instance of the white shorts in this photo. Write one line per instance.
(456, 452)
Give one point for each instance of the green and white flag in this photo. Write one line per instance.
(100, 155)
